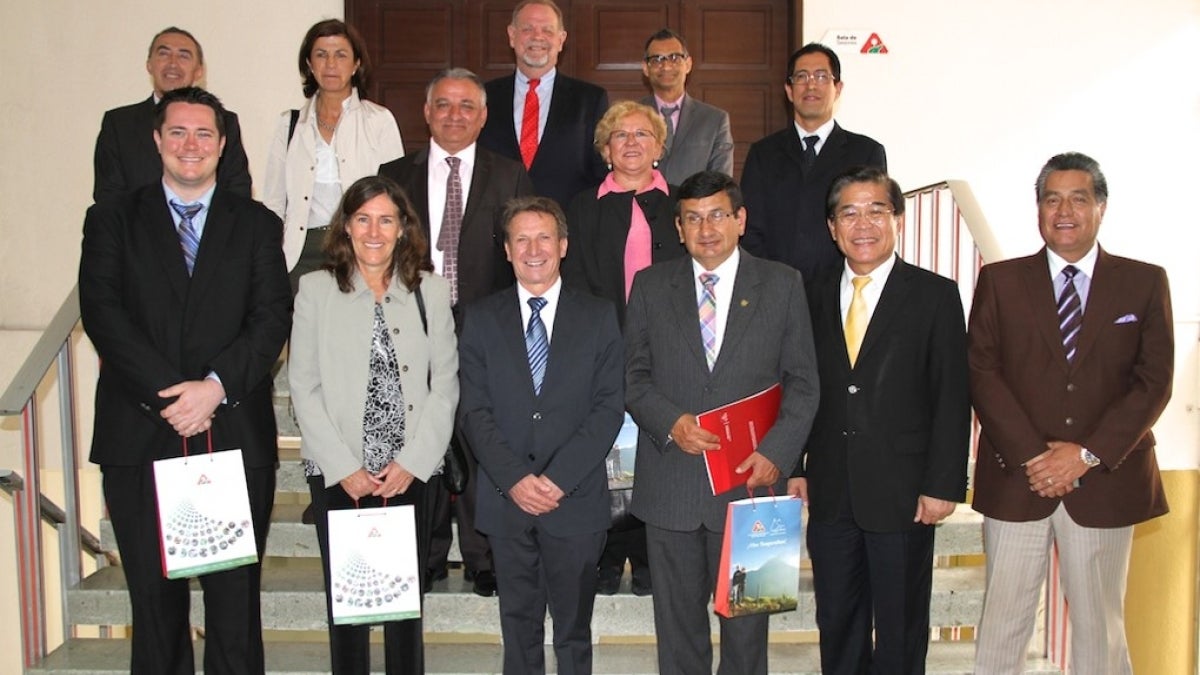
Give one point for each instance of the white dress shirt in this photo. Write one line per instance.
(439, 171)
(722, 291)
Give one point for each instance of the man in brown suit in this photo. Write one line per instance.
(1066, 393)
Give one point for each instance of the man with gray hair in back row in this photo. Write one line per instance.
(459, 190)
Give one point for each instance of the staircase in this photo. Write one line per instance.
(462, 629)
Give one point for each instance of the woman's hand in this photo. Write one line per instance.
(359, 484)
(393, 480)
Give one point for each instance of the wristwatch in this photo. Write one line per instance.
(1088, 458)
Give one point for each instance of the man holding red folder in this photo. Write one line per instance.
(701, 332)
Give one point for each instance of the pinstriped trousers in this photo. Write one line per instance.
(1094, 565)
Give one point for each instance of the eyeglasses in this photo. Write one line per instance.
(715, 218)
(620, 136)
(818, 77)
(874, 214)
(659, 60)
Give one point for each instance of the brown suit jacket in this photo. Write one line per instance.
(1026, 393)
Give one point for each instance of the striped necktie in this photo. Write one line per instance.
(537, 344)
(708, 317)
(1070, 312)
(189, 241)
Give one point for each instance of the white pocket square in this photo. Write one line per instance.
(1128, 318)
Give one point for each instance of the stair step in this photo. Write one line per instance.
(109, 657)
(293, 599)
(959, 534)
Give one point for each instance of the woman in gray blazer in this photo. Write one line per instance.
(374, 381)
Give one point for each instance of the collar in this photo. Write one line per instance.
(1086, 264)
(547, 79)
(822, 131)
(438, 155)
(879, 275)
(205, 199)
(610, 185)
(551, 294)
(660, 103)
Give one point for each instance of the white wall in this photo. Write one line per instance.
(987, 92)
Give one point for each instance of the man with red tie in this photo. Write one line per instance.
(541, 117)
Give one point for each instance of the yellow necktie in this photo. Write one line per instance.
(856, 319)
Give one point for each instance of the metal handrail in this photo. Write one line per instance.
(29, 504)
(53, 514)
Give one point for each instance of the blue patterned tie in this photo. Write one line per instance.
(188, 239)
(1070, 312)
(537, 344)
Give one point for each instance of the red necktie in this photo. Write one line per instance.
(529, 124)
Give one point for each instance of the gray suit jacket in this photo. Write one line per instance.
(564, 433)
(768, 339)
(701, 142)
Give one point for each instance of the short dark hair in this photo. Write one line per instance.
(665, 34)
(863, 174)
(456, 74)
(195, 96)
(1073, 161)
(333, 28)
(177, 31)
(409, 258)
(548, 3)
(835, 64)
(707, 184)
(535, 204)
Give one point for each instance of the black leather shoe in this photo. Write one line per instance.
(641, 587)
(485, 583)
(608, 582)
(307, 517)
(438, 575)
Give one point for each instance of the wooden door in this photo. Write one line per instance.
(739, 50)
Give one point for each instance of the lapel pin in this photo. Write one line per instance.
(745, 303)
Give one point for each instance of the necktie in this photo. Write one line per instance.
(668, 113)
(529, 124)
(537, 344)
(1070, 312)
(447, 241)
(708, 317)
(810, 151)
(856, 319)
(189, 241)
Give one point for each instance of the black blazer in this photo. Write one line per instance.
(153, 326)
(598, 228)
(564, 433)
(126, 157)
(897, 425)
(483, 267)
(566, 162)
(785, 206)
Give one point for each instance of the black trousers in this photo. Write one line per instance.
(162, 642)
(476, 553)
(865, 581)
(349, 646)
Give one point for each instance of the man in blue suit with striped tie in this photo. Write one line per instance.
(542, 402)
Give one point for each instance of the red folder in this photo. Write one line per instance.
(741, 425)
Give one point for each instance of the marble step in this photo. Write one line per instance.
(109, 657)
(293, 600)
(959, 534)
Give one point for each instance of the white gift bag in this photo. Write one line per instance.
(373, 565)
(204, 518)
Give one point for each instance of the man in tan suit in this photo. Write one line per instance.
(1071, 356)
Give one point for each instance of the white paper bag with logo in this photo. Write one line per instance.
(204, 519)
(373, 565)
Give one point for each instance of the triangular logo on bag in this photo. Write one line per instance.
(203, 480)
(758, 527)
(374, 533)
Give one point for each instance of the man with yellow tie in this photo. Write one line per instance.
(887, 456)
